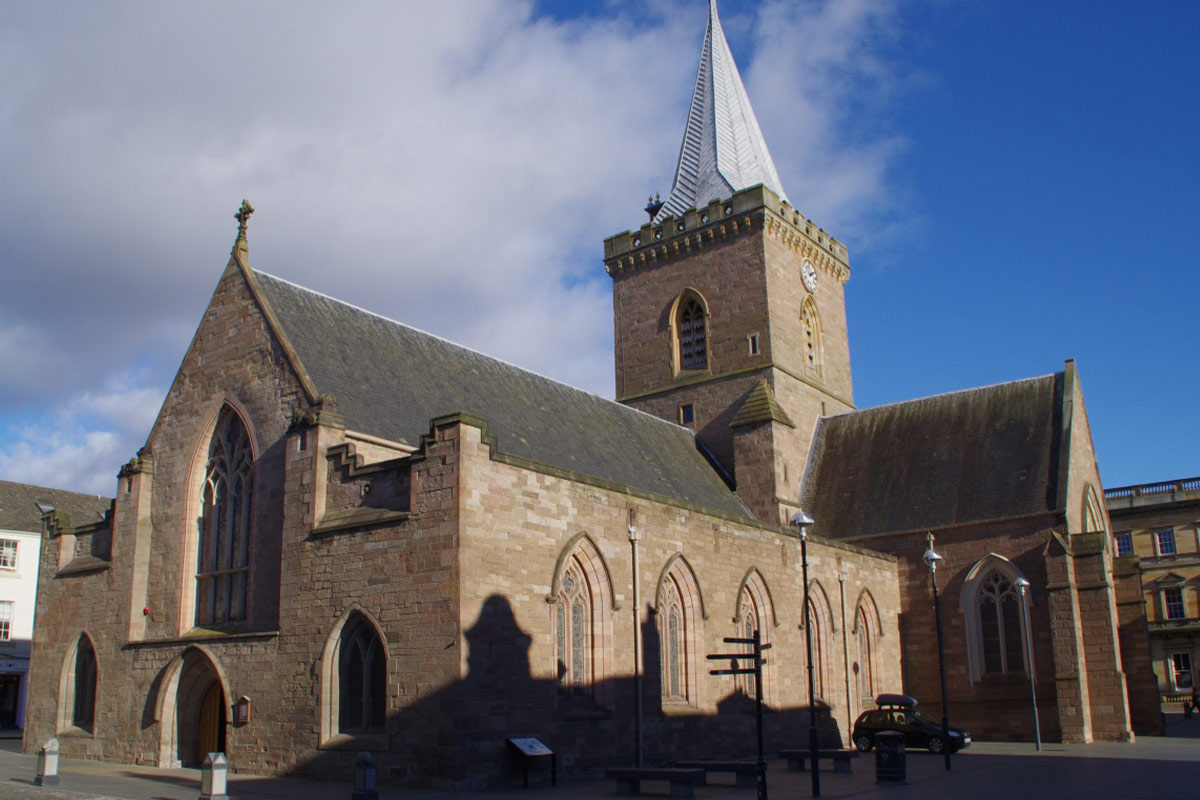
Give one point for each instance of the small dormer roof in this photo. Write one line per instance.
(723, 148)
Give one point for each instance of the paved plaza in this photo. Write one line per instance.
(1152, 767)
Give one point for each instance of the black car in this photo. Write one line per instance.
(898, 712)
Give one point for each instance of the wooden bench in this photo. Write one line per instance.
(745, 772)
(797, 759)
(629, 779)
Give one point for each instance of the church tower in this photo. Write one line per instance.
(729, 305)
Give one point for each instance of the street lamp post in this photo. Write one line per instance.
(1022, 588)
(802, 522)
(932, 559)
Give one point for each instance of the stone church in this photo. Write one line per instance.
(344, 534)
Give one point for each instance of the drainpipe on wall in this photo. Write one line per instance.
(634, 538)
(846, 656)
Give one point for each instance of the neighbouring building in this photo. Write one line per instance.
(1157, 525)
(21, 510)
(343, 534)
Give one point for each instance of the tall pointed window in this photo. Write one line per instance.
(754, 614)
(678, 613)
(572, 630)
(692, 330)
(83, 714)
(362, 678)
(1000, 624)
(583, 635)
(992, 612)
(811, 325)
(820, 617)
(223, 560)
(865, 669)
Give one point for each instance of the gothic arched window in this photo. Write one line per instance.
(83, 714)
(753, 615)
(223, 560)
(691, 328)
(821, 618)
(362, 678)
(811, 325)
(678, 612)
(865, 672)
(573, 631)
(1000, 624)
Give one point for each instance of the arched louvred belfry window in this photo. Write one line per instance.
(692, 327)
(362, 678)
(811, 324)
(1000, 624)
(223, 560)
(83, 714)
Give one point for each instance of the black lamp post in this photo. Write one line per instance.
(802, 522)
(932, 559)
(1023, 587)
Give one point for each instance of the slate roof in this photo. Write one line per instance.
(390, 380)
(760, 406)
(19, 506)
(951, 459)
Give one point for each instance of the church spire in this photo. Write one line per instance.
(723, 149)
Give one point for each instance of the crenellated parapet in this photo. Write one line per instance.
(747, 211)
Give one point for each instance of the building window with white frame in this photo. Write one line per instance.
(6, 615)
(1124, 543)
(8, 554)
(1181, 670)
(1173, 602)
(1164, 541)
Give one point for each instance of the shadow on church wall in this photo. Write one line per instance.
(456, 737)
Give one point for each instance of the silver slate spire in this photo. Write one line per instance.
(723, 149)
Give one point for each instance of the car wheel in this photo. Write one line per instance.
(935, 744)
(863, 743)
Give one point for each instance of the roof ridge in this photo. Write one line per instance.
(479, 353)
(52, 489)
(944, 394)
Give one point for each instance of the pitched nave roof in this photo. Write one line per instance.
(390, 380)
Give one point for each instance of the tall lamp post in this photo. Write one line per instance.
(932, 559)
(802, 521)
(1022, 589)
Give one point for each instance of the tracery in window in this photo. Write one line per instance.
(362, 678)
(821, 619)
(678, 613)
(691, 332)
(582, 624)
(754, 614)
(223, 557)
(992, 613)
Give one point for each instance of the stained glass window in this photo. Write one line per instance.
(224, 549)
(1000, 625)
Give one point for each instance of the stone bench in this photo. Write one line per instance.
(629, 779)
(745, 772)
(797, 759)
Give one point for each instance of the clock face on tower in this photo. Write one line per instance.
(808, 273)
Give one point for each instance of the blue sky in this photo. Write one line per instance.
(1015, 182)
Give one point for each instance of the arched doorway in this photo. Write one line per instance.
(192, 709)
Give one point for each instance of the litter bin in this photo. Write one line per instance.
(889, 757)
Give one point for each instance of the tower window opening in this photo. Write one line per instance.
(752, 343)
(687, 414)
(693, 339)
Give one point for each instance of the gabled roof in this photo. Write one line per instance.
(389, 380)
(21, 506)
(723, 149)
(760, 405)
(981, 454)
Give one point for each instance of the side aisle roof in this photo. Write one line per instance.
(971, 456)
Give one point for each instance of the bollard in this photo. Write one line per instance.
(47, 764)
(364, 778)
(214, 776)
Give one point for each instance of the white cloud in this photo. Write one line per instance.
(453, 165)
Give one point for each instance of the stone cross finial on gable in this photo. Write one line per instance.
(243, 216)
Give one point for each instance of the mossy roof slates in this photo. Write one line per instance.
(971, 456)
(19, 510)
(390, 380)
(760, 406)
